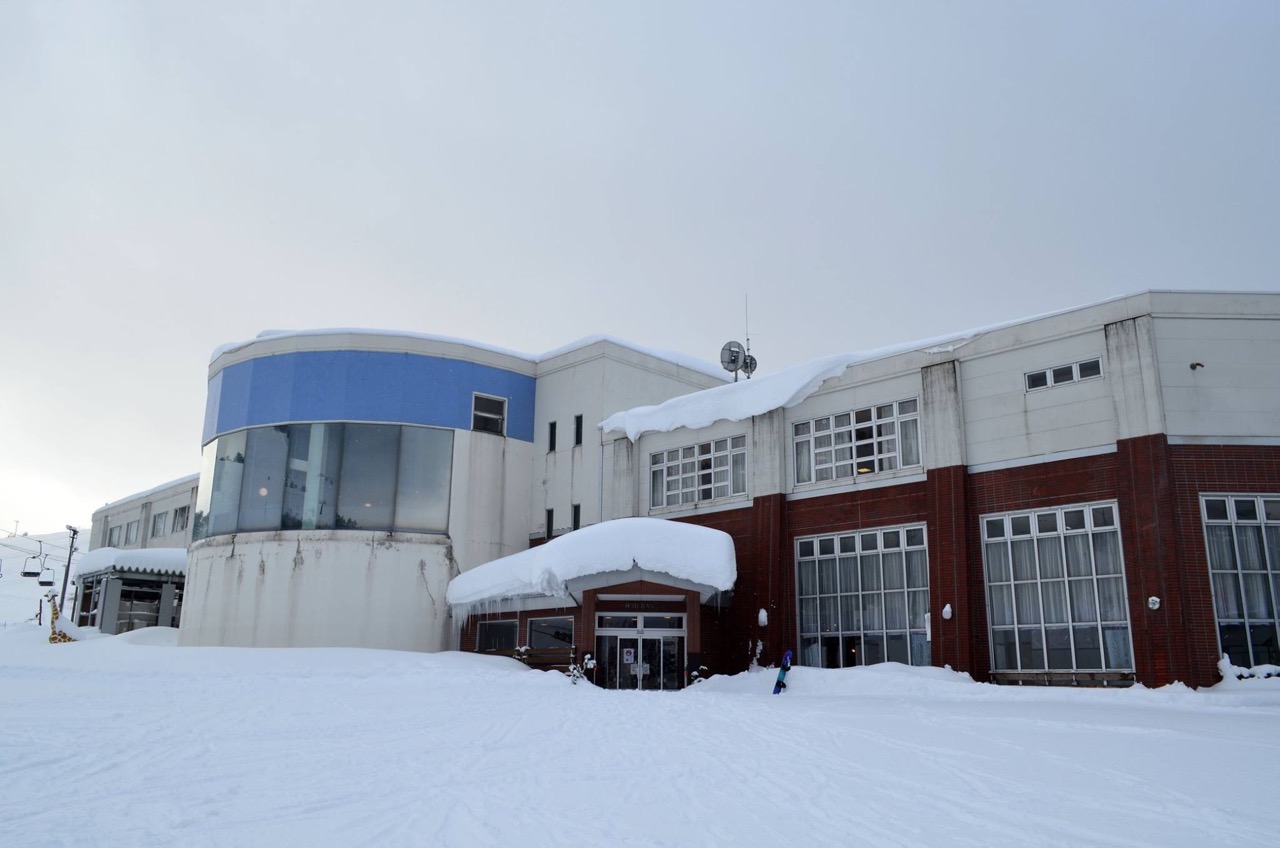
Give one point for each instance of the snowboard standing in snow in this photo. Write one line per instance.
(782, 673)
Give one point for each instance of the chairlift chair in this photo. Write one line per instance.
(33, 564)
(46, 576)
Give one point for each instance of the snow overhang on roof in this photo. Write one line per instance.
(146, 561)
(699, 556)
(732, 402)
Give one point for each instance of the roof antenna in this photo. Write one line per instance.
(734, 358)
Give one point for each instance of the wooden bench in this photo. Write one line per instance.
(545, 659)
(548, 659)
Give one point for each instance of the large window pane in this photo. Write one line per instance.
(1024, 559)
(228, 475)
(1004, 649)
(1058, 648)
(262, 487)
(551, 632)
(368, 480)
(422, 490)
(1116, 642)
(1031, 648)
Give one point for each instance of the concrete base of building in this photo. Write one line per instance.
(336, 588)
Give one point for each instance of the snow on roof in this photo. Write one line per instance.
(785, 389)
(685, 551)
(683, 360)
(190, 480)
(146, 560)
(732, 402)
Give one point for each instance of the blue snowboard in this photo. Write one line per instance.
(782, 673)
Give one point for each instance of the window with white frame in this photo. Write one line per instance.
(884, 437)
(1056, 598)
(113, 537)
(697, 473)
(159, 524)
(131, 533)
(1072, 372)
(180, 517)
(864, 597)
(1242, 537)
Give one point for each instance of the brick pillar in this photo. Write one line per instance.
(1148, 529)
(960, 641)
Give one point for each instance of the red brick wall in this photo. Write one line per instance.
(1157, 488)
(765, 581)
(471, 629)
(1206, 469)
(1047, 484)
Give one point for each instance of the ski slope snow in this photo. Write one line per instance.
(129, 740)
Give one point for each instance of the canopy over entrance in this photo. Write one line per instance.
(623, 550)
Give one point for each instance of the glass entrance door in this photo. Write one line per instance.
(639, 662)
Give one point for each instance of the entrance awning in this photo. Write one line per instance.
(626, 549)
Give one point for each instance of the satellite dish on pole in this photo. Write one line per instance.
(749, 366)
(733, 356)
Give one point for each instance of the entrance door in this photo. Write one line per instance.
(639, 662)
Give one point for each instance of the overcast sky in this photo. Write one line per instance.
(175, 175)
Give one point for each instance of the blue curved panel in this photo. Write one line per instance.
(358, 385)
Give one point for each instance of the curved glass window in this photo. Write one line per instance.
(326, 476)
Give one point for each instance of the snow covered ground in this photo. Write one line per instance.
(129, 740)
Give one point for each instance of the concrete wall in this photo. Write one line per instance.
(1003, 421)
(594, 381)
(318, 589)
(1234, 391)
(143, 507)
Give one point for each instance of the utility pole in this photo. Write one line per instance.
(62, 602)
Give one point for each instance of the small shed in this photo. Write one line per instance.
(123, 590)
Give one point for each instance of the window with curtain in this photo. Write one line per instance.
(1242, 540)
(864, 597)
(1056, 597)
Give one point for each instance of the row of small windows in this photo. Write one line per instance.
(577, 434)
(326, 476)
(698, 473)
(1072, 372)
(128, 533)
(865, 441)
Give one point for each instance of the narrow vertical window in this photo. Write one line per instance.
(577, 430)
(551, 437)
(551, 519)
(577, 516)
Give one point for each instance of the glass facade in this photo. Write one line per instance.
(864, 598)
(325, 477)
